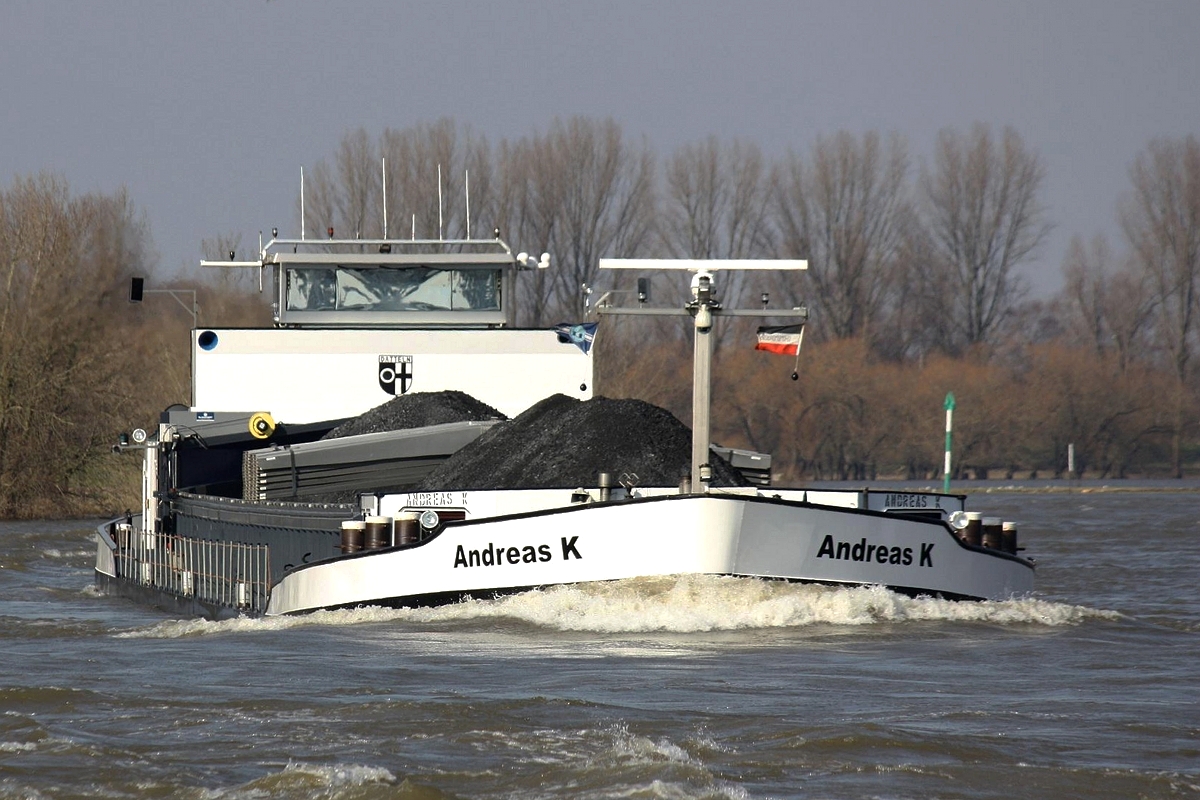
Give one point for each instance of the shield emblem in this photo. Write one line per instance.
(395, 374)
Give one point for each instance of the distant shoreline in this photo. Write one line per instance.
(1086, 486)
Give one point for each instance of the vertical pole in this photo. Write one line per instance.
(701, 395)
(949, 406)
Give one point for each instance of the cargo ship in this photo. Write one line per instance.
(250, 508)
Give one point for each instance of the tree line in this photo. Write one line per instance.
(78, 363)
(912, 266)
(915, 287)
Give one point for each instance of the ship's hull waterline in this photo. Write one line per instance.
(642, 537)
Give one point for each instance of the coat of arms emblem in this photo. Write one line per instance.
(395, 373)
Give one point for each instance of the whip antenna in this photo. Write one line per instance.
(384, 198)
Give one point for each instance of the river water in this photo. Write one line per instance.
(691, 688)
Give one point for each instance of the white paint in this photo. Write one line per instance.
(693, 534)
(304, 376)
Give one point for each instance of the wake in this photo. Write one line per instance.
(684, 604)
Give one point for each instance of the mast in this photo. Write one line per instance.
(703, 308)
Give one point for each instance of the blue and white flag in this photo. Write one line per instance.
(581, 334)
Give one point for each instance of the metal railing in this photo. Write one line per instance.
(230, 574)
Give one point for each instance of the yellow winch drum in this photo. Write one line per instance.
(262, 425)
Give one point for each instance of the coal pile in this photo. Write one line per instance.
(565, 443)
(415, 411)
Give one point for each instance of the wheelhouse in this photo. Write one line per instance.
(392, 283)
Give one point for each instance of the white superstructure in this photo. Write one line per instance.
(304, 375)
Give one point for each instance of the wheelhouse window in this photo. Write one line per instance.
(369, 289)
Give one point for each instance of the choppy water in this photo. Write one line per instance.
(709, 688)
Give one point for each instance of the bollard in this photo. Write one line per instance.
(991, 533)
(1008, 537)
(408, 528)
(378, 533)
(973, 533)
(352, 535)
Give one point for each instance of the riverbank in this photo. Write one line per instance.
(94, 500)
(1085, 486)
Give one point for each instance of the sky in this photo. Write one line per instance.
(206, 111)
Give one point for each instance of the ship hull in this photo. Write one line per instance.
(712, 535)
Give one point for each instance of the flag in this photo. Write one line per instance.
(581, 335)
(782, 339)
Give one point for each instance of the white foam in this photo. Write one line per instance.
(10, 788)
(629, 749)
(176, 629)
(684, 604)
(54, 552)
(310, 780)
(337, 775)
(710, 603)
(641, 748)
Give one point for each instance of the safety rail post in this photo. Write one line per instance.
(231, 574)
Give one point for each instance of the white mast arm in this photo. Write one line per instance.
(703, 265)
(231, 263)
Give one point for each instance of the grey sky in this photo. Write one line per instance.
(207, 110)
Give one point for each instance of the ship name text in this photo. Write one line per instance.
(492, 556)
(881, 554)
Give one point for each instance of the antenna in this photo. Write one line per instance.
(467, 185)
(414, 228)
(302, 203)
(439, 202)
(384, 198)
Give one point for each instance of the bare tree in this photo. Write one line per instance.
(982, 213)
(841, 210)
(582, 191)
(318, 202)
(65, 362)
(909, 326)
(715, 201)
(714, 205)
(1108, 306)
(526, 218)
(430, 168)
(343, 196)
(359, 180)
(607, 200)
(1162, 223)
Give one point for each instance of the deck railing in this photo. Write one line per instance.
(229, 574)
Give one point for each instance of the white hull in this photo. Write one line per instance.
(683, 534)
